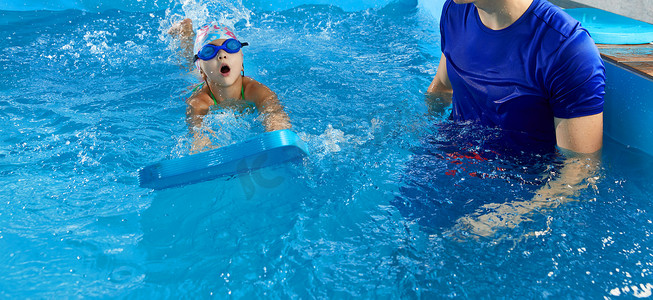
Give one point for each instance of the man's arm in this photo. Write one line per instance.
(439, 93)
(580, 135)
(580, 140)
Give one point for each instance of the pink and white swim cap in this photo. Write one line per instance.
(211, 32)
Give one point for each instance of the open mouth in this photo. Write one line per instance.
(225, 69)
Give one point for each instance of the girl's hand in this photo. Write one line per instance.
(182, 30)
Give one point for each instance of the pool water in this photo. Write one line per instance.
(87, 98)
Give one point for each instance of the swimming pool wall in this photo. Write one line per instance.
(637, 9)
(155, 5)
(628, 109)
(86, 5)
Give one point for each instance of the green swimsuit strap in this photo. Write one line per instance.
(215, 102)
(197, 87)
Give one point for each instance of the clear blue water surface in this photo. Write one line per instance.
(87, 98)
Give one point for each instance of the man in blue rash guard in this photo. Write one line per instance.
(529, 69)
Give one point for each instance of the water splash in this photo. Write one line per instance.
(219, 128)
(202, 12)
(334, 140)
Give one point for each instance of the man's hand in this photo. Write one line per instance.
(439, 93)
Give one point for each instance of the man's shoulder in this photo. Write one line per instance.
(451, 7)
(555, 18)
(452, 13)
(447, 4)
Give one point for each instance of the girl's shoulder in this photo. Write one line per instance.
(200, 97)
(254, 88)
(198, 89)
(249, 82)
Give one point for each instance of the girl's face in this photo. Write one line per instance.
(224, 69)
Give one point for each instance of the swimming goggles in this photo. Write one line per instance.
(209, 51)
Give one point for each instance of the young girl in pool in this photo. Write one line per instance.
(219, 60)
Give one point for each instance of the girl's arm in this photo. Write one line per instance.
(184, 32)
(267, 103)
(197, 107)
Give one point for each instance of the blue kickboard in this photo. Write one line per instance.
(267, 149)
(609, 28)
